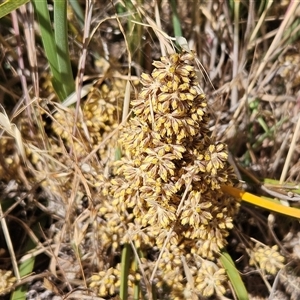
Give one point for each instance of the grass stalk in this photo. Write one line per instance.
(62, 47)
(235, 58)
(78, 12)
(9, 245)
(56, 46)
(134, 30)
(136, 288)
(125, 266)
(291, 151)
(175, 19)
(234, 276)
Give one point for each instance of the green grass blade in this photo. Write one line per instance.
(234, 276)
(175, 19)
(58, 57)
(62, 47)
(263, 5)
(78, 12)
(134, 31)
(292, 34)
(26, 267)
(47, 35)
(135, 267)
(42, 13)
(10, 5)
(125, 266)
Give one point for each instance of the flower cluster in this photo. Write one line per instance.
(106, 282)
(169, 178)
(6, 281)
(268, 258)
(169, 153)
(99, 118)
(210, 279)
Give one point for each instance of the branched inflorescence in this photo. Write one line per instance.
(169, 178)
(268, 258)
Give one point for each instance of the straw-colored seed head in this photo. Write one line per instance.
(169, 178)
(268, 258)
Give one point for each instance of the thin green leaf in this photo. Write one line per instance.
(134, 30)
(56, 46)
(27, 266)
(136, 287)
(175, 19)
(125, 266)
(234, 276)
(47, 35)
(9, 6)
(78, 12)
(62, 47)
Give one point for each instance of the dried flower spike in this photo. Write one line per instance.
(167, 147)
(170, 175)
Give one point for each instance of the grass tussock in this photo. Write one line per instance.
(133, 135)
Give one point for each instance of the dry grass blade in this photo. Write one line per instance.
(9, 245)
(291, 150)
(260, 22)
(12, 130)
(164, 39)
(82, 60)
(235, 58)
(27, 16)
(273, 48)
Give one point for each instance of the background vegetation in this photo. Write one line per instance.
(68, 73)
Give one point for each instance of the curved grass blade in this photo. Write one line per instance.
(234, 276)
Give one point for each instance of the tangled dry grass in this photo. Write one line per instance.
(128, 168)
